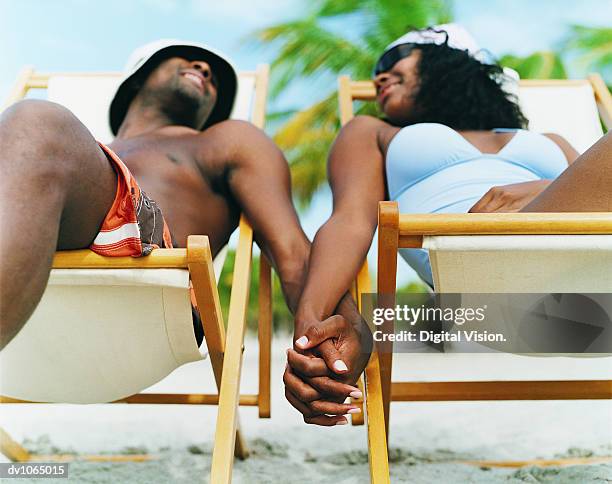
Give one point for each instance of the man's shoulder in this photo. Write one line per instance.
(231, 134)
(231, 126)
(228, 140)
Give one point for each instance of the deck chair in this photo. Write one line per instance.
(139, 323)
(464, 249)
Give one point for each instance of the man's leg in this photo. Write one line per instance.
(56, 187)
(586, 185)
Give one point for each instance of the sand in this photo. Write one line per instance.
(427, 439)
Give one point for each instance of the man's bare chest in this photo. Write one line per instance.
(163, 165)
(151, 154)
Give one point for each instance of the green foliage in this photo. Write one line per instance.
(413, 287)
(281, 317)
(305, 139)
(539, 65)
(587, 49)
(593, 46)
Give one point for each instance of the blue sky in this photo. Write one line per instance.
(82, 35)
(99, 35)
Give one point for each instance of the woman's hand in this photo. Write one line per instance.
(510, 198)
(326, 362)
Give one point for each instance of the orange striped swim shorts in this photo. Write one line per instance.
(134, 225)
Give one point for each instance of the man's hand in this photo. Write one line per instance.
(328, 359)
(344, 347)
(509, 198)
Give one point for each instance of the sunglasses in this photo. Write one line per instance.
(392, 56)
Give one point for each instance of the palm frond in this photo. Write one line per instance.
(397, 17)
(310, 50)
(319, 115)
(586, 38)
(306, 139)
(593, 46)
(332, 8)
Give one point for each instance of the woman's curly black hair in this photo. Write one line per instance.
(461, 92)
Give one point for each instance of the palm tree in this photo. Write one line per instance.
(314, 49)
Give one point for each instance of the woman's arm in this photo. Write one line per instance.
(356, 176)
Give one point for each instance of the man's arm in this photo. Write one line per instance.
(259, 180)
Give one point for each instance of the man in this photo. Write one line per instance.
(174, 144)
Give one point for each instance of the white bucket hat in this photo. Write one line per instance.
(155, 52)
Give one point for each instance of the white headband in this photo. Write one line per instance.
(458, 38)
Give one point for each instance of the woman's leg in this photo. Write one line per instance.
(586, 185)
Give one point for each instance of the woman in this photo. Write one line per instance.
(451, 140)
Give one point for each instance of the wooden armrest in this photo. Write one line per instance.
(87, 259)
(412, 227)
(505, 223)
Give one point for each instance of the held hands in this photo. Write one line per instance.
(510, 198)
(327, 359)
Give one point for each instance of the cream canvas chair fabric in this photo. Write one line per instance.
(511, 264)
(555, 107)
(515, 263)
(76, 92)
(135, 330)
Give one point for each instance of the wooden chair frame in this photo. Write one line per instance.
(225, 347)
(406, 231)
